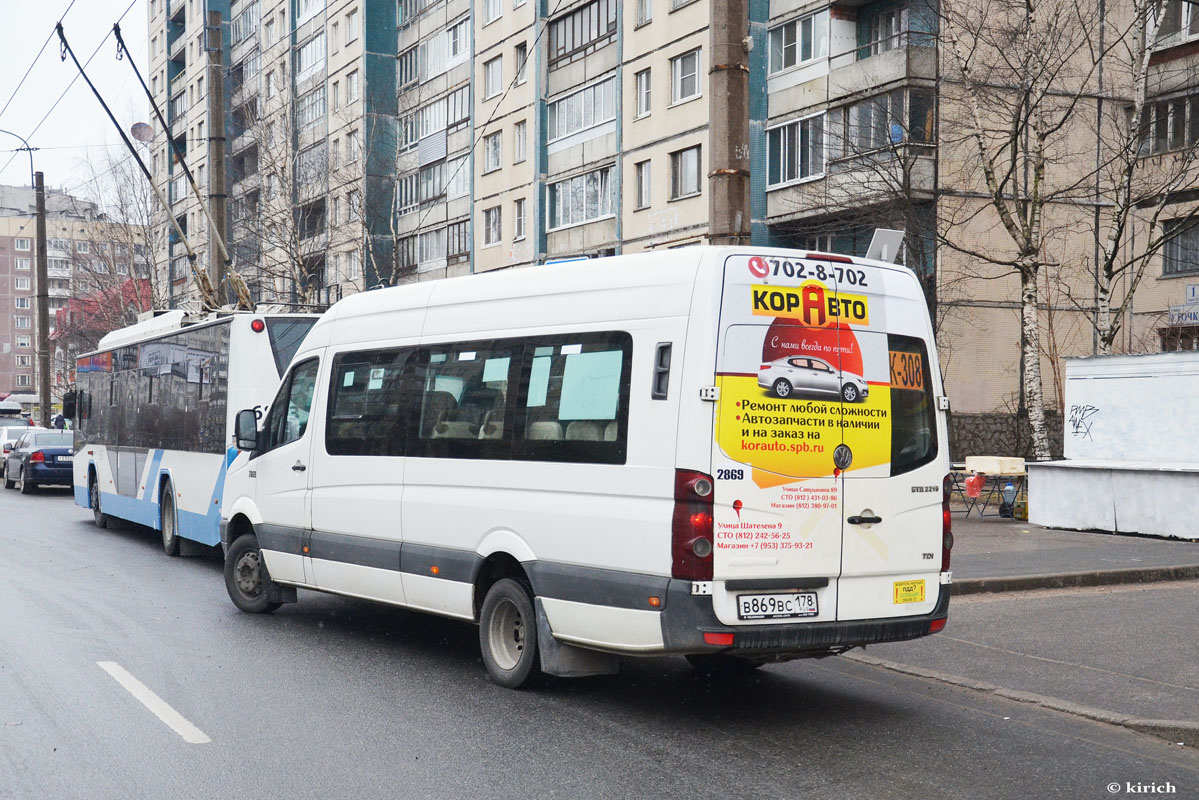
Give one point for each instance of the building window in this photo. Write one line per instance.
(1180, 253)
(795, 151)
(460, 38)
(353, 205)
(21, 244)
(518, 217)
(798, 41)
(407, 193)
(493, 77)
(1169, 125)
(643, 93)
(81, 247)
(354, 264)
(457, 240)
(22, 322)
(491, 226)
(684, 73)
(522, 61)
(353, 146)
(583, 198)
(310, 56)
(520, 142)
(885, 31)
(24, 360)
(458, 106)
(408, 68)
(24, 380)
(22, 263)
(581, 31)
(430, 246)
(684, 173)
(594, 105)
(351, 26)
(352, 87)
(23, 302)
(334, 96)
(643, 184)
(457, 178)
(645, 11)
(24, 341)
(492, 10)
(21, 283)
(310, 109)
(493, 152)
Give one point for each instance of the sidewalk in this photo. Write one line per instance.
(1123, 653)
(990, 548)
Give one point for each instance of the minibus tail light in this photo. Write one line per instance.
(946, 524)
(37, 457)
(691, 526)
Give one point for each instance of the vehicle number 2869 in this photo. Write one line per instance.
(730, 474)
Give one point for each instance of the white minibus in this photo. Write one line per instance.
(582, 458)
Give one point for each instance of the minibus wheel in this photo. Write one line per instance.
(169, 520)
(782, 387)
(508, 634)
(93, 493)
(246, 576)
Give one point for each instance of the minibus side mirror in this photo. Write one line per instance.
(247, 430)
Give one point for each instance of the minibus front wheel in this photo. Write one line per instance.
(246, 577)
(508, 634)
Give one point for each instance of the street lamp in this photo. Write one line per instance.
(43, 295)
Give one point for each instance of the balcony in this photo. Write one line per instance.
(903, 56)
(857, 182)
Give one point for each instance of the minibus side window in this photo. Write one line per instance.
(574, 399)
(462, 399)
(913, 414)
(367, 415)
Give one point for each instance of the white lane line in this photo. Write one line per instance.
(173, 719)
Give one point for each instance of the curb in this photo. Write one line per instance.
(1174, 731)
(1068, 580)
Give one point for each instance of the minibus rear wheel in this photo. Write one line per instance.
(508, 634)
(246, 576)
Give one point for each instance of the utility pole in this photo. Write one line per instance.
(728, 125)
(217, 197)
(43, 304)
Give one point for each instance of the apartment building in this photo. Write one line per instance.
(85, 254)
(375, 142)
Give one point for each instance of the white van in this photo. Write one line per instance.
(581, 459)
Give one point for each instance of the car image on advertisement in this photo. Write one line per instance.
(40, 458)
(783, 376)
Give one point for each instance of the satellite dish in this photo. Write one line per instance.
(142, 132)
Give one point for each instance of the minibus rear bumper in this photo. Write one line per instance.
(686, 619)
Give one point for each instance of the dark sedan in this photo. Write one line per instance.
(39, 458)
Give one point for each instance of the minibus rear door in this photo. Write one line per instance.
(777, 517)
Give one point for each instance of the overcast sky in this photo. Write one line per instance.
(77, 130)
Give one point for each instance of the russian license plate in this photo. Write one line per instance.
(66, 458)
(776, 606)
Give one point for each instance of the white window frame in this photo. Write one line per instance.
(21, 284)
(492, 10)
(23, 323)
(678, 189)
(817, 44)
(792, 132)
(520, 141)
(352, 93)
(22, 245)
(518, 219)
(24, 341)
(678, 77)
(353, 29)
(643, 89)
(21, 263)
(642, 183)
(645, 12)
(493, 232)
(605, 207)
(493, 152)
(493, 77)
(585, 100)
(24, 380)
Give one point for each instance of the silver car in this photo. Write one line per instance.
(807, 374)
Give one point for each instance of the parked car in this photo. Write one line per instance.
(8, 437)
(40, 458)
(808, 374)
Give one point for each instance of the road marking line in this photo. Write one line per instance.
(173, 719)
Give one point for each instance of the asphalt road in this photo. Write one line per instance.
(336, 698)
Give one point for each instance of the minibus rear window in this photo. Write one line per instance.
(913, 412)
